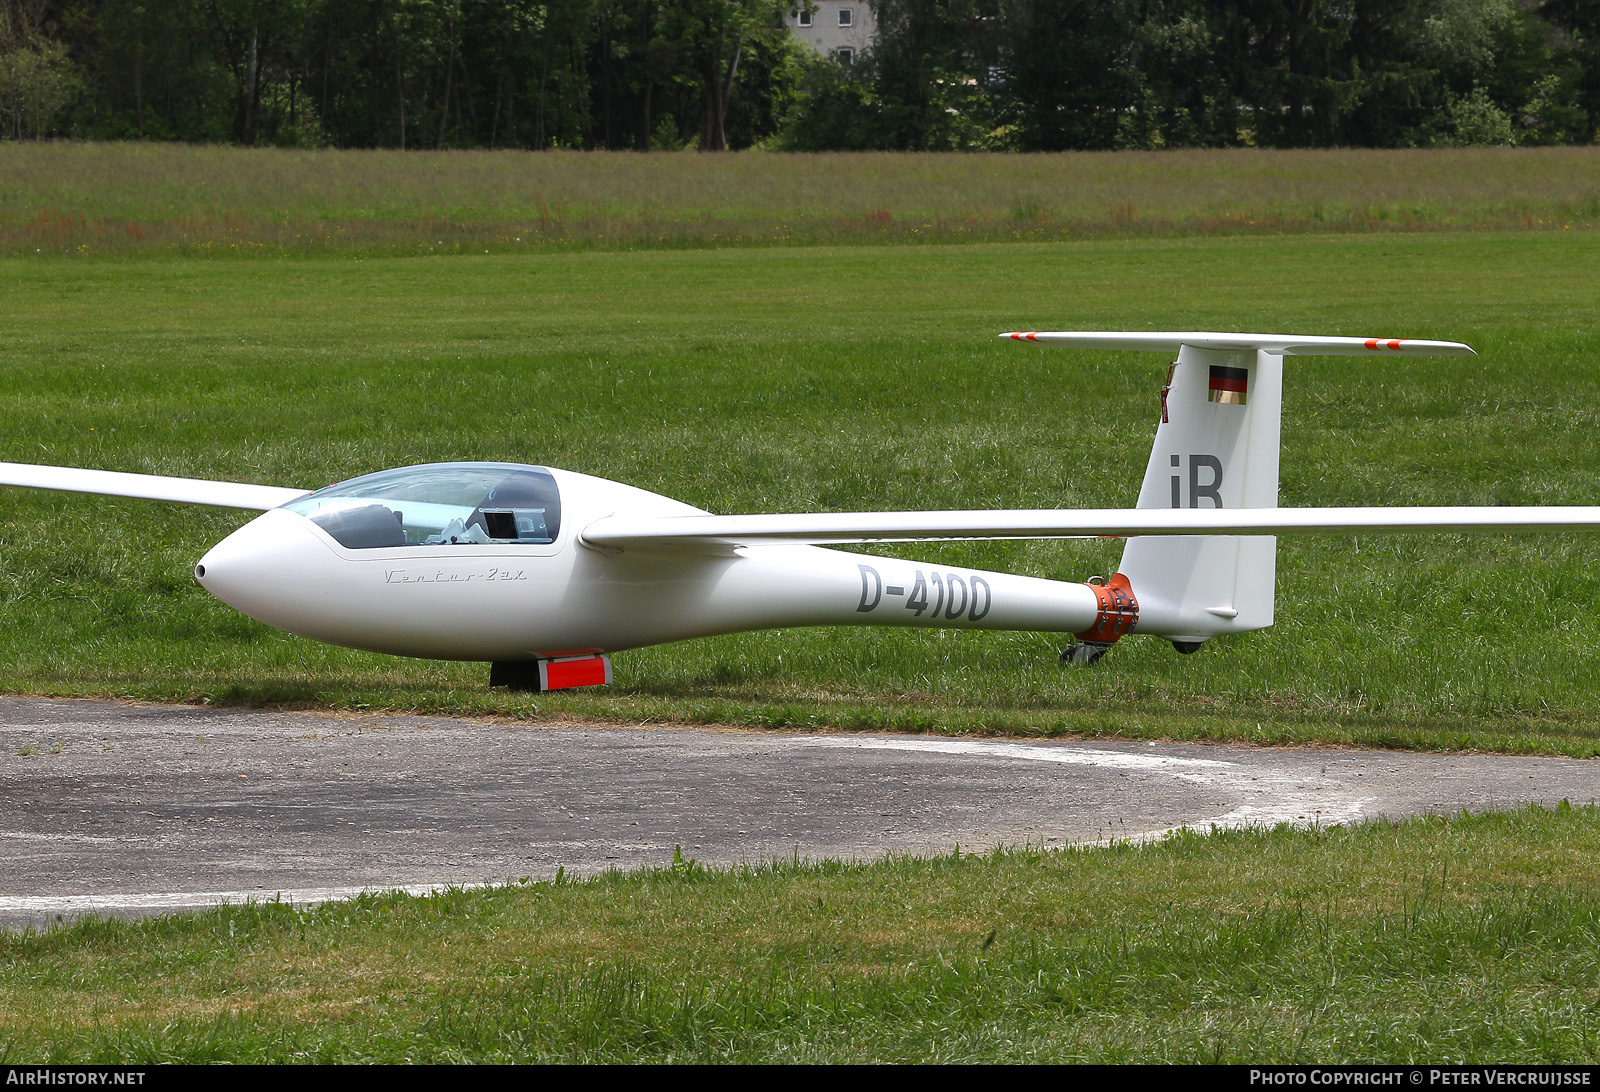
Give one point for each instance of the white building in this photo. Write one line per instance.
(840, 29)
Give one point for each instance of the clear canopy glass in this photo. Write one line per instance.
(439, 504)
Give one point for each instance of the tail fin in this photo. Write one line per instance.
(1217, 447)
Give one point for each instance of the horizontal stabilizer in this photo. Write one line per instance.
(114, 483)
(1282, 344)
(621, 532)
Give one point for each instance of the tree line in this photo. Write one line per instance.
(1023, 75)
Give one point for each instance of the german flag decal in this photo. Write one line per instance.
(1228, 385)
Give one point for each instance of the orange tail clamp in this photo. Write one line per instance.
(1119, 610)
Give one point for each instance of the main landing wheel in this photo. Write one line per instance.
(521, 676)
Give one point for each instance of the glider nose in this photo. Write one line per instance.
(254, 569)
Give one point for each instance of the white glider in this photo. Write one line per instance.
(544, 572)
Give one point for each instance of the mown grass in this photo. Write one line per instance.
(97, 199)
(1440, 940)
(837, 379)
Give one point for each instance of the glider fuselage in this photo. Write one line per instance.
(508, 601)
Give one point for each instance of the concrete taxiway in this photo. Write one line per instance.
(130, 809)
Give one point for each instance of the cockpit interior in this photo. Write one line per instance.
(439, 504)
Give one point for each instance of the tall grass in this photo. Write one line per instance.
(136, 198)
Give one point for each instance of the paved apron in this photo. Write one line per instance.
(124, 809)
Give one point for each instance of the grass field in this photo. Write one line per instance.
(97, 199)
(852, 375)
(1468, 940)
(837, 378)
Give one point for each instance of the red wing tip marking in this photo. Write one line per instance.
(1377, 343)
(1020, 335)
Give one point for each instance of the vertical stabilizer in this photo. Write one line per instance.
(1216, 447)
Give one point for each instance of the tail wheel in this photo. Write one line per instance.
(1087, 653)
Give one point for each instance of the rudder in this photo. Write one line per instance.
(1216, 446)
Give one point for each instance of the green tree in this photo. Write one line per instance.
(38, 80)
(1073, 71)
(252, 36)
(711, 40)
(1579, 21)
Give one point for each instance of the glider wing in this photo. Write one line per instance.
(622, 532)
(115, 483)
